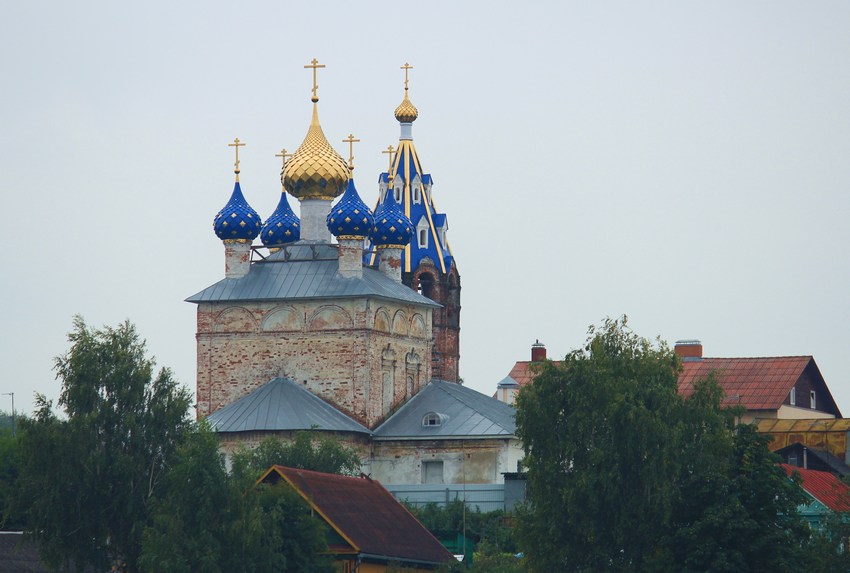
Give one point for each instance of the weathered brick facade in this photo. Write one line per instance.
(443, 288)
(364, 356)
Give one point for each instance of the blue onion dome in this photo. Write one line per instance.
(392, 227)
(350, 218)
(282, 227)
(237, 221)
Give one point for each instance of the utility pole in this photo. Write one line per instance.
(12, 394)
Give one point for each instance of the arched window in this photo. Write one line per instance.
(423, 238)
(417, 195)
(432, 419)
(426, 285)
(397, 194)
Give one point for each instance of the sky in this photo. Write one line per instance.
(683, 163)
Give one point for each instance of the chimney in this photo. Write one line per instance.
(688, 350)
(538, 352)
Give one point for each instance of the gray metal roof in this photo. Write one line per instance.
(306, 271)
(282, 404)
(464, 412)
(508, 382)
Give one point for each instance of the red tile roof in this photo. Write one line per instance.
(755, 383)
(824, 487)
(523, 373)
(365, 514)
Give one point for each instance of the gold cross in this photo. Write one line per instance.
(283, 155)
(390, 150)
(406, 67)
(236, 144)
(315, 64)
(350, 141)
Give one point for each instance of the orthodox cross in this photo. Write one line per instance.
(389, 150)
(350, 141)
(283, 155)
(315, 64)
(406, 67)
(236, 144)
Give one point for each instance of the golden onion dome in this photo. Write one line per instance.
(315, 170)
(406, 112)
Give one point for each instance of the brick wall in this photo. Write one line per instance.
(364, 356)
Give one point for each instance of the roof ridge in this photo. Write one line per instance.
(470, 406)
(751, 357)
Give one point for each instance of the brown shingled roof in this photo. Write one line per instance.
(363, 512)
(755, 383)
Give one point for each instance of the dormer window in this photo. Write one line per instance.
(416, 188)
(422, 233)
(432, 419)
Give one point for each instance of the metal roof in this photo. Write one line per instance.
(365, 514)
(282, 404)
(306, 271)
(463, 412)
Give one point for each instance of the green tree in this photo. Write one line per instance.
(600, 453)
(208, 520)
(626, 475)
(192, 519)
(10, 467)
(309, 450)
(828, 550)
(88, 479)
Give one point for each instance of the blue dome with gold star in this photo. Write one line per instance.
(282, 227)
(350, 217)
(237, 221)
(392, 228)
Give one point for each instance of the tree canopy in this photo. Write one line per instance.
(626, 475)
(309, 450)
(88, 478)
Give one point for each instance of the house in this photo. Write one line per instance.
(783, 387)
(826, 492)
(370, 532)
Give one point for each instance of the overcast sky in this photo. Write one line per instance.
(684, 163)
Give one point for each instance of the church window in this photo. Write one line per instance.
(417, 195)
(409, 385)
(423, 238)
(397, 194)
(432, 472)
(432, 419)
(388, 391)
(426, 285)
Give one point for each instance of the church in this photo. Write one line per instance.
(346, 320)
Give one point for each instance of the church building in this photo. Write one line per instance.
(357, 336)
